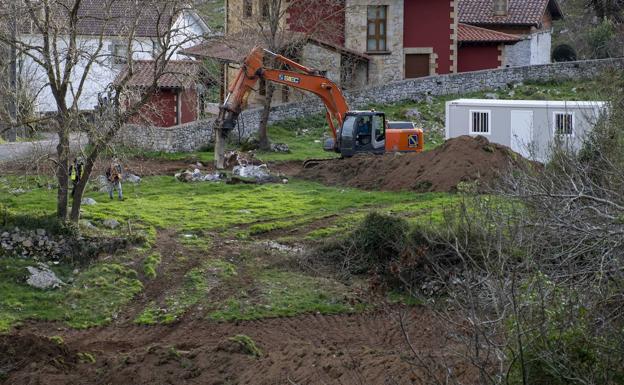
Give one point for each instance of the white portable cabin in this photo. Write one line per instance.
(529, 127)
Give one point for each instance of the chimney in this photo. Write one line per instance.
(500, 7)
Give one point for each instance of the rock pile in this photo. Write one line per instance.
(197, 176)
(32, 244)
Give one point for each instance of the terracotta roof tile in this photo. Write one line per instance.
(177, 74)
(145, 18)
(469, 33)
(521, 12)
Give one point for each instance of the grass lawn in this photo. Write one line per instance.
(197, 212)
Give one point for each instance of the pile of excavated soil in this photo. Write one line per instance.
(461, 159)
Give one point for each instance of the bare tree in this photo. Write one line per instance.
(282, 27)
(70, 44)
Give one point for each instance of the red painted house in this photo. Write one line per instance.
(480, 48)
(176, 99)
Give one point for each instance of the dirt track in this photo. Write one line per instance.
(310, 349)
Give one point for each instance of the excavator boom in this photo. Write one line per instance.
(304, 78)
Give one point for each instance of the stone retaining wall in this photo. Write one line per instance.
(193, 136)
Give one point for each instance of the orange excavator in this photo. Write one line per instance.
(352, 131)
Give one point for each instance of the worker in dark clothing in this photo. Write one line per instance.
(75, 173)
(114, 173)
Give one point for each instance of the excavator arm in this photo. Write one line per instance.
(301, 77)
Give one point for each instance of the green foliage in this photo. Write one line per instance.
(601, 39)
(560, 342)
(247, 344)
(150, 264)
(379, 239)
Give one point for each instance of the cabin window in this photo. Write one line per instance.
(265, 10)
(564, 123)
(376, 28)
(119, 53)
(247, 8)
(480, 122)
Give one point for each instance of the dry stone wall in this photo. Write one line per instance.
(195, 135)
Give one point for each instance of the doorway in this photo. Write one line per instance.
(522, 132)
(417, 65)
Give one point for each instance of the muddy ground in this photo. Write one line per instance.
(366, 348)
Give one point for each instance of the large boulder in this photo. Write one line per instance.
(42, 277)
(111, 223)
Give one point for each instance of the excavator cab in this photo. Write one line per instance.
(363, 131)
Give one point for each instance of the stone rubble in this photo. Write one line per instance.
(32, 244)
(197, 176)
(280, 147)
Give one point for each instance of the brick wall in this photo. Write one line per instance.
(198, 134)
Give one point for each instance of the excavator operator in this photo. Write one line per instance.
(364, 130)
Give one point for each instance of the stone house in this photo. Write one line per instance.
(530, 20)
(113, 33)
(177, 100)
(369, 42)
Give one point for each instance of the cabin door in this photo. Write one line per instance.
(522, 132)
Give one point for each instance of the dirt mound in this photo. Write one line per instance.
(461, 159)
(33, 352)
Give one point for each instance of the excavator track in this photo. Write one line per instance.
(309, 163)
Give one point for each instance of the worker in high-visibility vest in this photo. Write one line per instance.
(75, 173)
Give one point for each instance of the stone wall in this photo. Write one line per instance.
(195, 135)
(183, 138)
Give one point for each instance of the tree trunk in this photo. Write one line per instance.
(74, 216)
(62, 172)
(219, 147)
(263, 135)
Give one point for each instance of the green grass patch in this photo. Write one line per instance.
(198, 241)
(285, 294)
(150, 264)
(163, 202)
(197, 283)
(247, 344)
(94, 298)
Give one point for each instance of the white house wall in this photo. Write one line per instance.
(187, 31)
(541, 43)
(533, 50)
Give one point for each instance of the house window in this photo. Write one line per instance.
(480, 122)
(376, 28)
(564, 123)
(119, 53)
(247, 8)
(265, 10)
